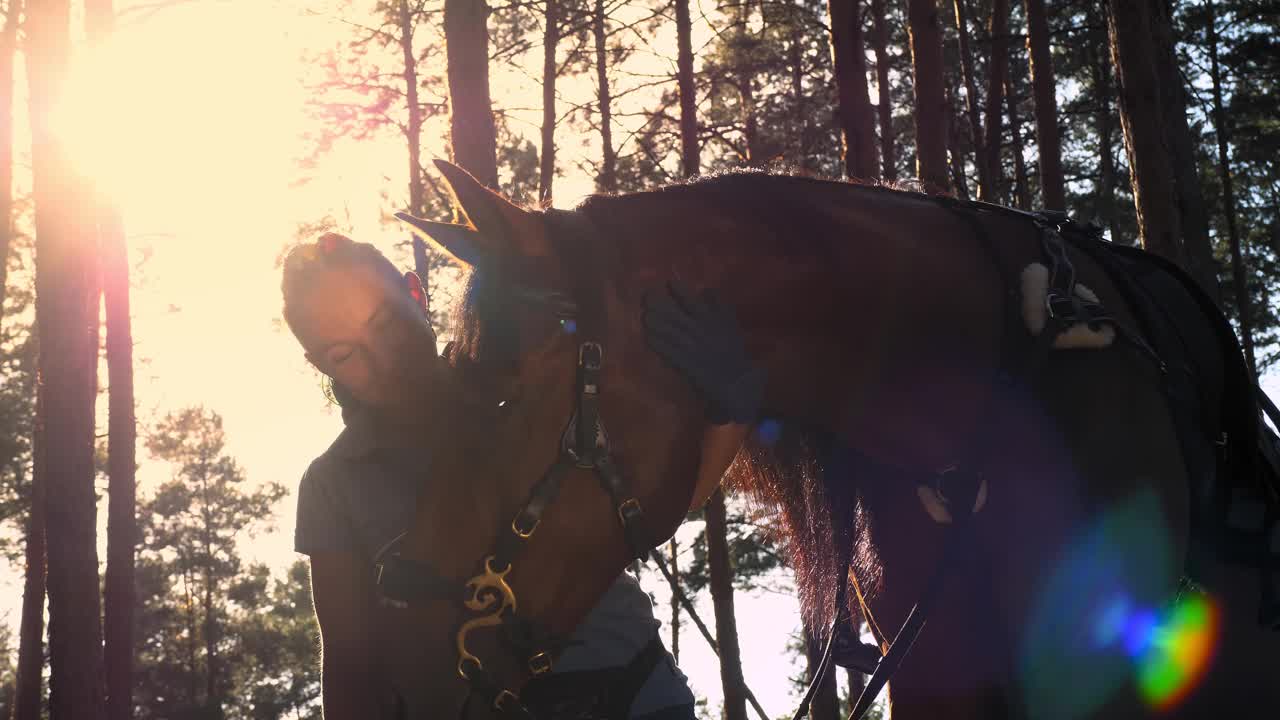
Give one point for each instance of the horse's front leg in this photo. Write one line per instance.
(957, 667)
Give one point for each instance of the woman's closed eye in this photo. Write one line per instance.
(339, 354)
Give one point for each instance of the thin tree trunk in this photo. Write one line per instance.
(675, 600)
(67, 321)
(8, 49)
(689, 151)
(212, 665)
(1044, 87)
(607, 180)
(888, 164)
(413, 136)
(718, 566)
(998, 70)
(1222, 130)
(743, 80)
(971, 98)
(193, 671)
(122, 523)
(1105, 191)
(857, 121)
(550, 40)
(955, 155)
(28, 697)
(857, 681)
(471, 126)
(799, 98)
(930, 100)
(1193, 214)
(1021, 194)
(826, 702)
(1150, 172)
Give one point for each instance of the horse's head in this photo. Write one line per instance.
(548, 330)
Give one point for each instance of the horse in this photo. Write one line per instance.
(893, 326)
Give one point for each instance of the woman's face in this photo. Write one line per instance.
(367, 333)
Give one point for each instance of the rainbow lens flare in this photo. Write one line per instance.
(1169, 650)
(1178, 652)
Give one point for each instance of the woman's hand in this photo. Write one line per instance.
(700, 337)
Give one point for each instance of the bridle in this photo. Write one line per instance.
(488, 600)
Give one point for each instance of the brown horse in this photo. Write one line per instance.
(884, 321)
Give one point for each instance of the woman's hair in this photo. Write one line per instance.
(306, 260)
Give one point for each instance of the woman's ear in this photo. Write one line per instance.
(416, 291)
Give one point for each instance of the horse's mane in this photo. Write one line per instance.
(782, 464)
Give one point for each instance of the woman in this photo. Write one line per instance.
(365, 326)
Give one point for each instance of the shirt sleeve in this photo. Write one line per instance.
(323, 524)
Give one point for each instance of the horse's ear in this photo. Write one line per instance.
(460, 242)
(502, 226)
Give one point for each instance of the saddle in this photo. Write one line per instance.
(1232, 457)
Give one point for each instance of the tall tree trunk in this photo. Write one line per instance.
(750, 128)
(413, 136)
(29, 695)
(799, 97)
(826, 702)
(607, 180)
(471, 129)
(8, 48)
(193, 634)
(879, 39)
(857, 681)
(971, 97)
(67, 321)
(998, 70)
(689, 150)
(930, 100)
(857, 122)
(212, 665)
(1021, 194)
(1150, 172)
(718, 566)
(550, 41)
(1222, 130)
(122, 523)
(1100, 62)
(675, 600)
(1193, 214)
(955, 155)
(1044, 87)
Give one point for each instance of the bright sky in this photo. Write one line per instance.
(192, 121)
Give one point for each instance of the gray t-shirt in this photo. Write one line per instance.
(357, 497)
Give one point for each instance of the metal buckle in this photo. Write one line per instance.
(590, 355)
(521, 533)
(1059, 307)
(504, 697)
(540, 663)
(628, 510)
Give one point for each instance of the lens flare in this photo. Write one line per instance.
(1178, 652)
(1169, 650)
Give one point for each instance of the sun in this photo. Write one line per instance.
(188, 107)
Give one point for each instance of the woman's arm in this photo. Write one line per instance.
(342, 588)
